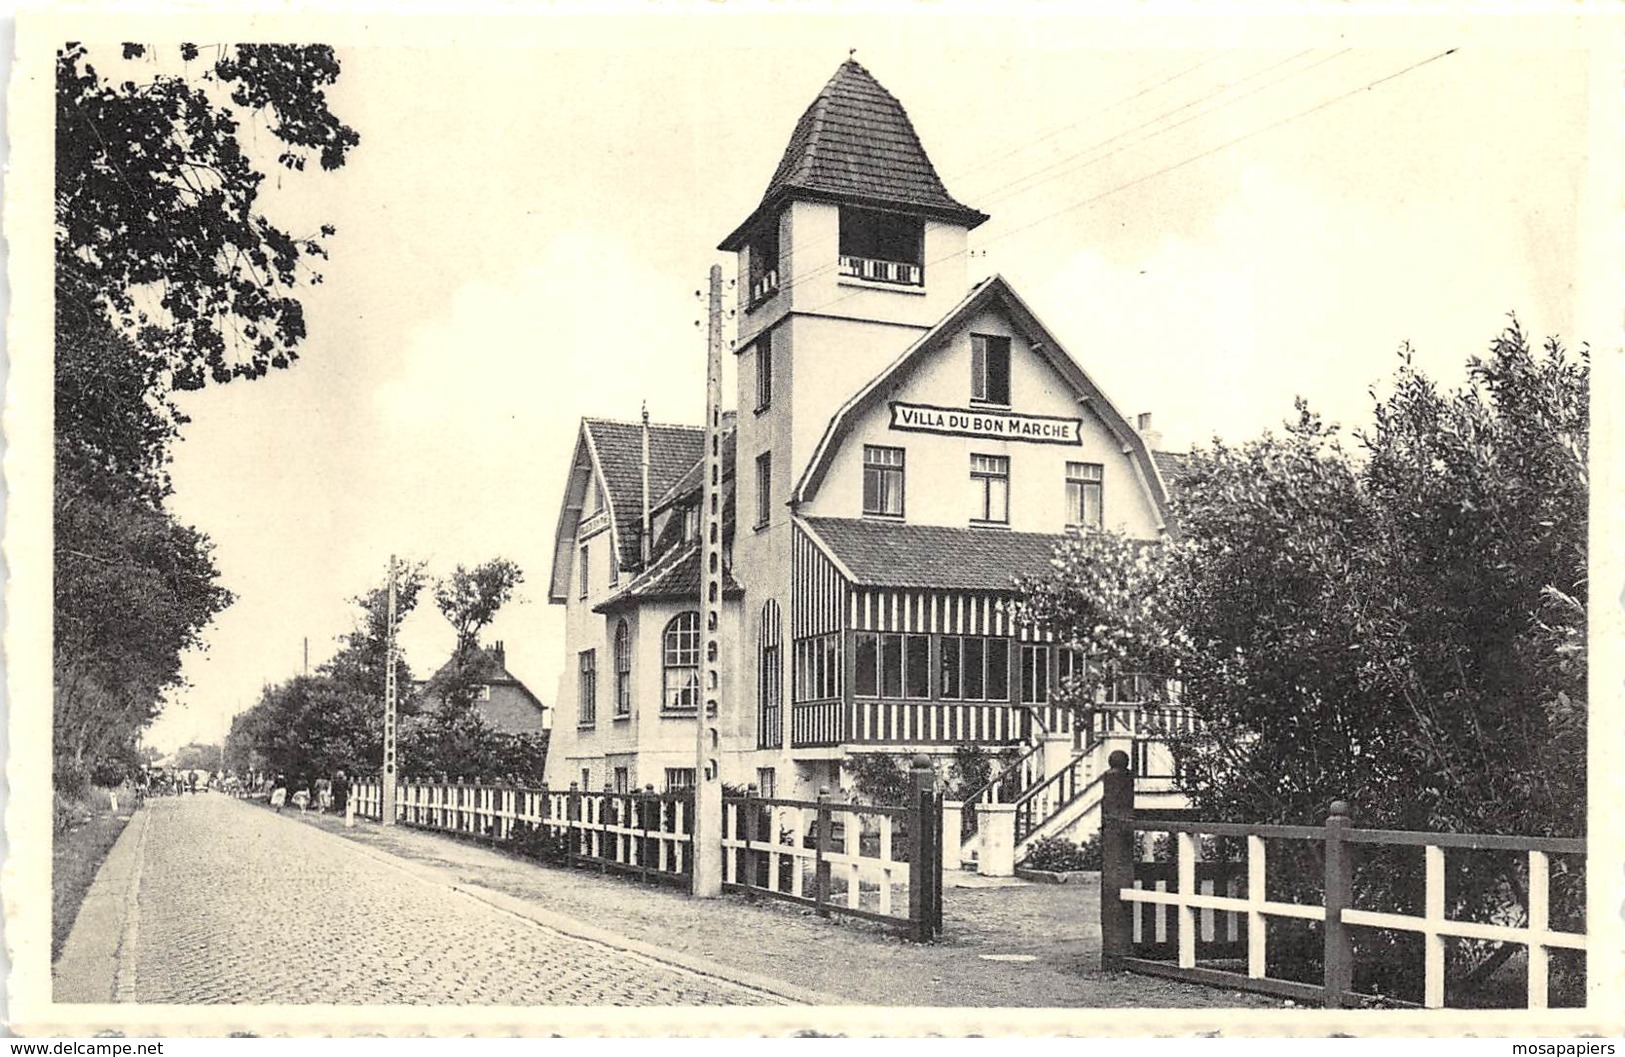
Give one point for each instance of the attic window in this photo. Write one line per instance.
(884, 247)
(989, 369)
(764, 264)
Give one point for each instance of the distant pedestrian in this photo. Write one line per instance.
(279, 793)
(192, 782)
(341, 793)
(324, 795)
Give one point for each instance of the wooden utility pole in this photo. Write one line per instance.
(388, 783)
(707, 830)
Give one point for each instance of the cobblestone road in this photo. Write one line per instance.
(239, 905)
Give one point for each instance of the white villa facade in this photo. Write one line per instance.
(906, 444)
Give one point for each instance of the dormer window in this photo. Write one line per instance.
(764, 264)
(882, 247)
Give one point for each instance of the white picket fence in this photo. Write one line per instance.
(647, 833)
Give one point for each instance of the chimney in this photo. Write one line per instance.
(499, 653)
(647, 530)
(1153, 437)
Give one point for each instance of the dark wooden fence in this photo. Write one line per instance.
(1208, 925)
(881, 864)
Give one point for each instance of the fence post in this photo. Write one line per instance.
(1117, 861)
(924, 853)
(821, 822)
(1339, 950)
(747, 859)
(572, 810)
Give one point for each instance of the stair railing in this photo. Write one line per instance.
(1055, 793)
(1007, 785)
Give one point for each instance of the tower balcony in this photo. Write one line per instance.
(900, 273)
(764, 286)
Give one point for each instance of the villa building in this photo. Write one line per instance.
(906, 444)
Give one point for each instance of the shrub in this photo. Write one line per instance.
(1059, 855)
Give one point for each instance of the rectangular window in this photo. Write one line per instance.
(623, 780)
(998, 669)
(882, 247)
(584, 568)
(1069, 666)
(866, 664)
(586, 778)
(882, 480)
(587, 688)
(1083, 494)
(764, 264)
(679, 779)
(989, 369)
(917, 666)
(764, 488)
(891, 666)
(817, 675)
(974, 668)
(766, 782)
(990, 489)
(1034, 674)
(764, 371)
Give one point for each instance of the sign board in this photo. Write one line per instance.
(986, 422)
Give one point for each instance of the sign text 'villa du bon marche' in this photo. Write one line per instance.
(999, 425)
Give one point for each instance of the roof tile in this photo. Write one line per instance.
(672, 451)
(888, 554)
(855, 141)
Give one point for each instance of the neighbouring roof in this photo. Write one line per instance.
(673, 450)
(888, 554)
(1170, 464)
(488, 666)
(674, 576)
(855, 143)
(991, 292)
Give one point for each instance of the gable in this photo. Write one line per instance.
(926, 390)
(608, 462)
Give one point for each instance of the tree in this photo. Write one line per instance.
(469, 600)
(157, 201)
(1401, 626)
(117, 555)
(167, 276)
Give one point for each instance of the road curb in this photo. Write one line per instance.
(577, 929)
(88, 969)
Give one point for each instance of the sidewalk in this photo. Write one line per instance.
(857, 963)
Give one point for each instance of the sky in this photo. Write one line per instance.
(1212, 218)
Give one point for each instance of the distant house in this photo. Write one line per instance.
(503, 702)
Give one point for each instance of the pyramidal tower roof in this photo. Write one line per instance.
(855, 144)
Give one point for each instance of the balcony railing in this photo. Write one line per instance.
(882, 271)
(764, 287)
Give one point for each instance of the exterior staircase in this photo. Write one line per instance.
(1056, 785)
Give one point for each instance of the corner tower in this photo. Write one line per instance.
(855, 250)
(855, 221)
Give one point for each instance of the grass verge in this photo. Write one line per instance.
(77, 851)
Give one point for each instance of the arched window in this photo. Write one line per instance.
(623, 669)
(680, 664)
(769, 679)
